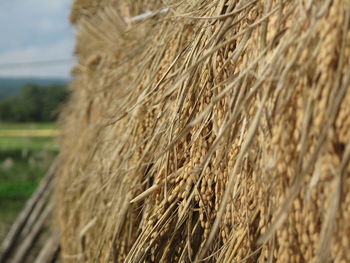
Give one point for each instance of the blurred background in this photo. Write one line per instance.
(36, 55)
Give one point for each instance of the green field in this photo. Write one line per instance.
(23, 162)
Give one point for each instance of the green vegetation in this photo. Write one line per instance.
(26, 144)
(34, 104)
(26, 111)
(23, 163)
(13, 86)
(17, 190)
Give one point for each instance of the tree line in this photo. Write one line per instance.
(34, 103)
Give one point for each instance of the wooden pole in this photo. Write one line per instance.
(40, 196)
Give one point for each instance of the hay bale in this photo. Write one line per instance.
(218, 132)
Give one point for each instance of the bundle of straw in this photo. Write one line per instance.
(218, 132)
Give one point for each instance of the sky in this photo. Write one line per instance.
(32, 31)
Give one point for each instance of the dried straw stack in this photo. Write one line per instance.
(219, 131)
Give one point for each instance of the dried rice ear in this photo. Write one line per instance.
(217, 131)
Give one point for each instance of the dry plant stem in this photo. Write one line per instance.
(215, 132)
(29, 240)
(49, 252)
(28, 215)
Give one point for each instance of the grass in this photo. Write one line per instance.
(23, 162)
(8, 144)
(17, 190)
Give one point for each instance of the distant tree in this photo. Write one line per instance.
(6, 108)
(34, 104)
(30, 103)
